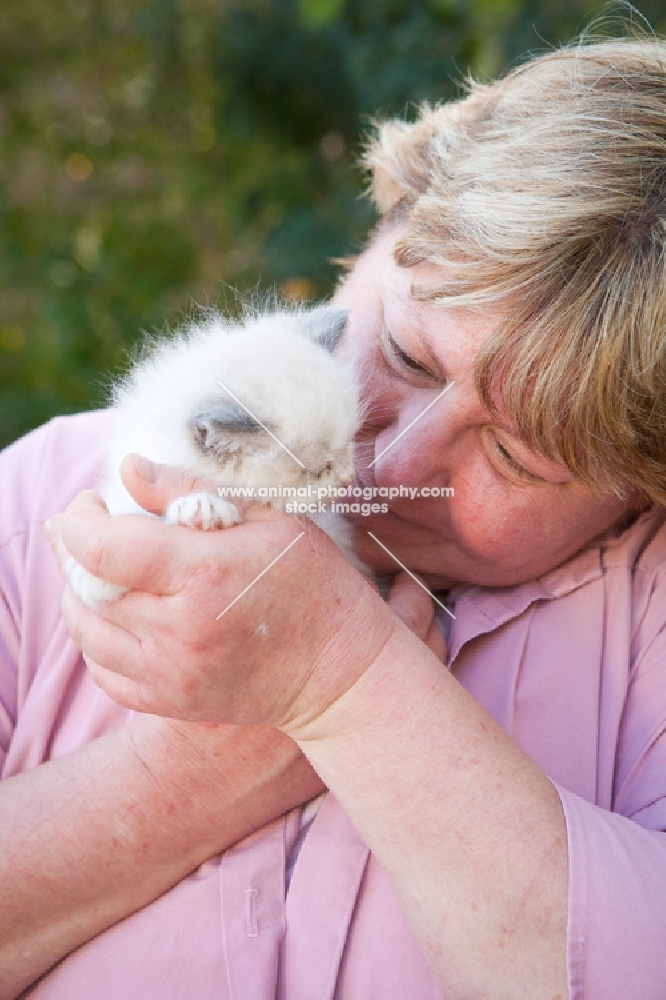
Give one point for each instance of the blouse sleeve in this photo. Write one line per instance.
(39, 475)
(19, 477)
(10, 557)
(617, 860)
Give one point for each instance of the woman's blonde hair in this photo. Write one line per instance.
(544, 194)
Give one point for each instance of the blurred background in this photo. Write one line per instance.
(155, 152)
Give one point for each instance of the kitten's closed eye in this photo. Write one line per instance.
(221, 418)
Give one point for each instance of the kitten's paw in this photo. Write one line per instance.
(202, 510)
(90, 588)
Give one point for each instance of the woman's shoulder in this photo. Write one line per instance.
(642, 545)
(41, 472)
(636, 560)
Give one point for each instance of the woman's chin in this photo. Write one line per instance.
(387, 543)
(391, 529)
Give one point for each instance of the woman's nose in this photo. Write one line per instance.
(417, 442)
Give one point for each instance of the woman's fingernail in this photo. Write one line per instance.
(145, 468)
(48, 527)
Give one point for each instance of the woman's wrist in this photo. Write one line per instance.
(454, 811)
(355, 671)
(223, 782)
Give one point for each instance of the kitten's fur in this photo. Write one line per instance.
(279, 365)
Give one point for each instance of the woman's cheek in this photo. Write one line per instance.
(483, 517)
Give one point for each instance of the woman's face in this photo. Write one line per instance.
(512, 516)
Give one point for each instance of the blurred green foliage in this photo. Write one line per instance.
(154, 151)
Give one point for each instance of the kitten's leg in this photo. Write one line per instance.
(90, 588)
(202, 510)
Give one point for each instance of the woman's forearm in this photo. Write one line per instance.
(90, 838)
(469, 830)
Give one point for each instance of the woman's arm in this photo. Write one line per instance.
(89, 838)
(471, 832)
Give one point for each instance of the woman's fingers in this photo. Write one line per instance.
(415, 608)
(223, 626)
(101, 640)
(104, 642)
(53, 531)
(436, 642)
(411, 604)
(124, 691)
(133, 551)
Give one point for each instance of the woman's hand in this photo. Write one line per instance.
(263, 623)
(155, 486)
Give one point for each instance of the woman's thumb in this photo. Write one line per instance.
(154, 485)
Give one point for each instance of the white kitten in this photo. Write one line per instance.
(260, 403)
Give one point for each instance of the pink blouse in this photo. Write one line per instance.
(572, 665)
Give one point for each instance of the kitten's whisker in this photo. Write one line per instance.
(263, 426)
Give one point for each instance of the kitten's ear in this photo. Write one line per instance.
(325, 326)
(221, 418)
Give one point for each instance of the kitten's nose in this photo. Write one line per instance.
(346, 473)
(346, 470)
(202, 429)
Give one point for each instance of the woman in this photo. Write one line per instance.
(512, 804)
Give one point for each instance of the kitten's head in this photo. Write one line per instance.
(286, 409)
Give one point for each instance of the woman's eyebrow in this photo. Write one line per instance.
(436, 363)
(418, 332)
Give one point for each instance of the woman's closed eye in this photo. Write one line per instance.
(502, 458)
(399, 360)
(505, 459)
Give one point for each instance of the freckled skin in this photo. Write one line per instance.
(498, 529)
